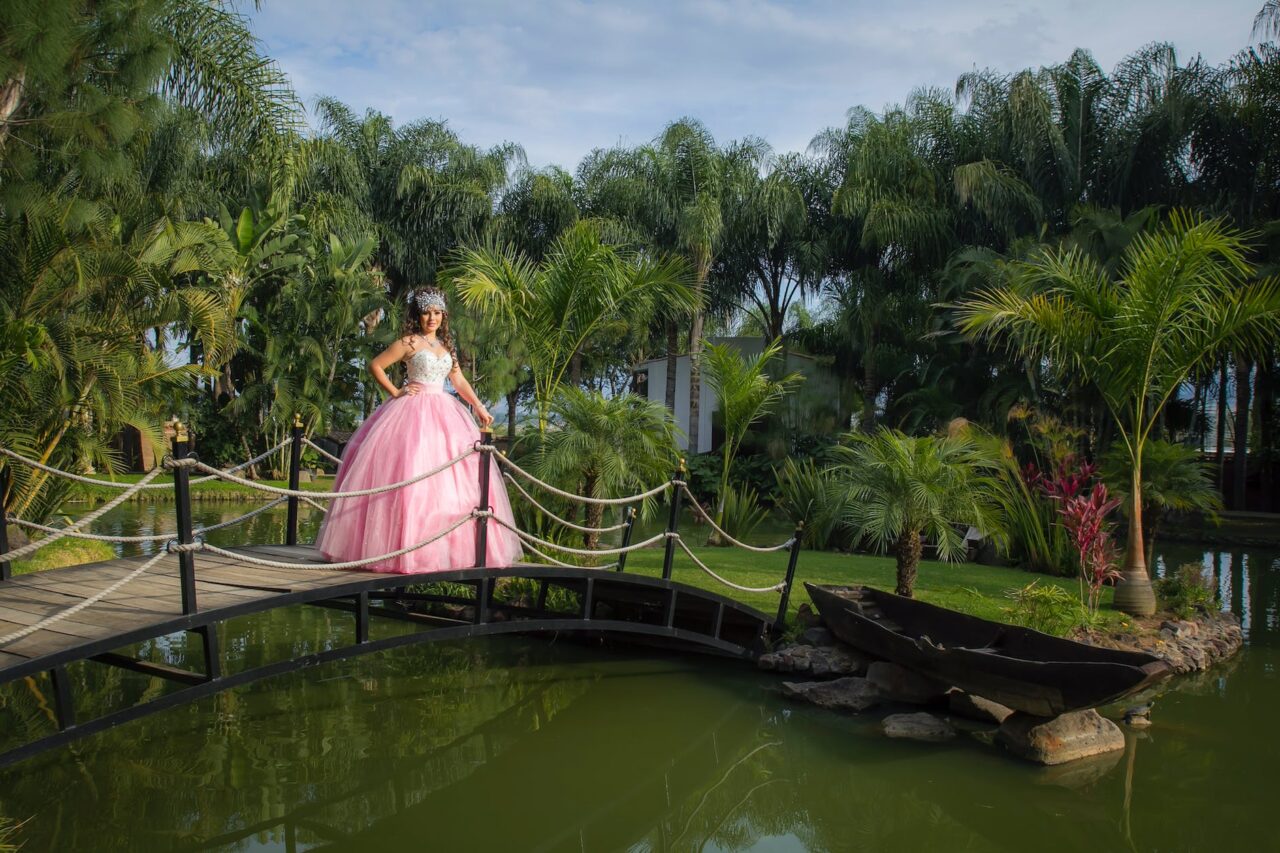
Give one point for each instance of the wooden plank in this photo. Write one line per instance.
(10, 613)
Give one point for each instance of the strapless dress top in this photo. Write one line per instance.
(429, 369)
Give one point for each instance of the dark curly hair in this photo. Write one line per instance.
(413, 319)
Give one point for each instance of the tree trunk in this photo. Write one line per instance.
(909, 550)
(513, 397)
(1134, 594)
(1221, 427)
(10, 100)
(1266, 408)
(575, 369)
(673, 356)
(695, 381)
(869, 380)
(594, 512)
(1240, 460)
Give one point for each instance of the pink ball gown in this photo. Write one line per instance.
(404, 437)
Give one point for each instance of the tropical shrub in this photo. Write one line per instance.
(741, 514)
(1049, 609)
(1085, 518)
(814, 496)
(1185, 593)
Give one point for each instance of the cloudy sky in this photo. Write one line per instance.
(561, 77)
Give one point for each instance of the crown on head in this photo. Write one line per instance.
(428, 298)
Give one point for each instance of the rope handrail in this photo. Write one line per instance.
(656, 490)
(191, 462)
(583, 552)
(75, 526)
(111, 484)
(778, 587)
(337, 460)
(313, 504)
(348, 564)
(76, 608)
(767, 549)
(531, 499)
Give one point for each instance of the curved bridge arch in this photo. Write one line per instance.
(637, 607)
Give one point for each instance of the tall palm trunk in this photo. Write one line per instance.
(594, 513)
(512, 399)
(695, 381)
(673, 356)
(869, 381)
(1266, 407)
(10, 100)
(1222, 429)
(908, 559)
(1240, 460)
(1134, 593)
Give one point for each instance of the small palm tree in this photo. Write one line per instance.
(746, 394)
(1183, 295)
(902, 487)
(606, 447)
(1174, 479)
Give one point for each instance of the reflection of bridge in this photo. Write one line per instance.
(96, 612)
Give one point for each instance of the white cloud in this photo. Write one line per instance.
(561, 77)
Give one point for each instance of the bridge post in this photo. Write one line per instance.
(781, 621)
(626, 537)
(6, 568)
(182, 491)
(673, 523)
(482, 529)
(295, 471)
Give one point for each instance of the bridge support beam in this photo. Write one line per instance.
(182, 491)
(362, 617)
(64, 707)
(295, 476)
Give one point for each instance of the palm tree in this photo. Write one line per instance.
(1174, 479)
(606, 447)
(746, 393)
(557, 306)
(902, 487)
(1179, 300)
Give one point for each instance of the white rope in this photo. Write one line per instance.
(570, 495)
(325, 496)
(584, 552)
(564, 565)
(314, 505)
(349, 564)
(76, 608)
(530, 498)
(318, 449)
(111, 484)
(718, 529)
(83, 521)
(778, 587)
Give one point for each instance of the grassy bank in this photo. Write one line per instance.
(65, 552)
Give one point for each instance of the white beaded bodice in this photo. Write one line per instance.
(429, 368)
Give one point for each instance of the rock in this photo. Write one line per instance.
(1078, 774)
(806, 617)
(1057, 740)
(817, 660)
(900, 684)
(304, 476)
(977, 708)
(818, 637)
(17, 537)
(918, 726)
(842, 694)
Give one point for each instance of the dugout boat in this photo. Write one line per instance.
(1015, 666)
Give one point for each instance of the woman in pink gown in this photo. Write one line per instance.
(421, 427)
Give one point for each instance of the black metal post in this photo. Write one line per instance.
(673, 523)
(295, 471)
(6, 568)
(781, 621)
(482, 528)
(182, 491)
(626, 537)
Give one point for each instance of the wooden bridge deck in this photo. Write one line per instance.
(150, 605)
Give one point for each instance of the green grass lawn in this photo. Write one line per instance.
(967, 587)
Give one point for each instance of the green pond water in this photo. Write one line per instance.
(524, 744)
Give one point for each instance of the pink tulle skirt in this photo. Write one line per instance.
(401, 439)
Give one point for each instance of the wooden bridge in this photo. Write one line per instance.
(96, 612)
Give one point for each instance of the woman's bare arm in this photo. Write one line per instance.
(468, 394)
(389, 356)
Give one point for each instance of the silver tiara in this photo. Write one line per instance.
(428, 299)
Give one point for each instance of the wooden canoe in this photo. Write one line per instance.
(1018, 667)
